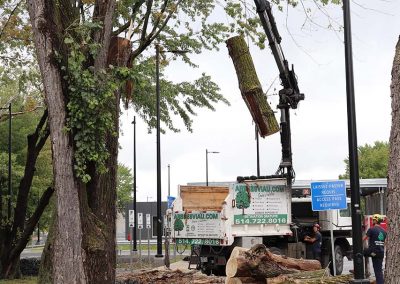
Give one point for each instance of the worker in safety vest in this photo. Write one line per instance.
(376, 237)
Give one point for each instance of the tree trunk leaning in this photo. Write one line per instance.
(250, 87)
(259, 263)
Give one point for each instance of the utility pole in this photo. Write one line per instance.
(258, 152)
(208, 152)
(159, 220)
(359, 276)
(134, 185)
(169, 187)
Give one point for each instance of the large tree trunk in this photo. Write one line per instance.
(250, 87)
(259, 263)
(68, 255)
(392, 267)
(82, 245)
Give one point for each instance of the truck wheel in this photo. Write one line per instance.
(338, 260)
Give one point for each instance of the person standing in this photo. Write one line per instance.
(376, 237)
(316, 241)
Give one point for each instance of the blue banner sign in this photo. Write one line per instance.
(328, 195)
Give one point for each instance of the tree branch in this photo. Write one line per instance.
(154, 33)
(146, 21)
(104, 12)
(9, 18)
(135, 9)
(31, 223)
(25, 184)
(4, 116)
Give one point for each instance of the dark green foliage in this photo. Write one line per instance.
(372, 161)
(124, 187)
(29, 266)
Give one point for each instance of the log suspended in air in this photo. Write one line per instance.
(250, 87)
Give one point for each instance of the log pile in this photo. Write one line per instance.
(176, 276)
(258, 263)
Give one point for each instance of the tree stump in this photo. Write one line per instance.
(250, 87)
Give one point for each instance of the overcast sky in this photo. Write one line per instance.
(319, 125)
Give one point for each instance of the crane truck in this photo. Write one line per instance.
(256, 209)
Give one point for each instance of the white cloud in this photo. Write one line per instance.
(319, 125)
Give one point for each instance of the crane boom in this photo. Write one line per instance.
(287, 76)
(290, 95)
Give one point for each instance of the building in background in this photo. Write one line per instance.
(145, 208)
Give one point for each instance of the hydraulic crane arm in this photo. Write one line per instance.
(290, 95)
(288, 77)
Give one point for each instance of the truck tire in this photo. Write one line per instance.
(338, 260)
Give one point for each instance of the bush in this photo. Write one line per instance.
(29, 266)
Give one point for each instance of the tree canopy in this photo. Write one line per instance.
(124, 187)
(372, 161)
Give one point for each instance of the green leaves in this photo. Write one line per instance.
(372, 161)
(90, 95)
(124, 187)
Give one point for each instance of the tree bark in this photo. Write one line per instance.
(392, 266)
(68, 254)
(250, 87)
(260, 263)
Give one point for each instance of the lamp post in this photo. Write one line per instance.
(9, 167)
(159, 217)
(134, 185)
(169, 187)
(258, 153)
(208, 152)
(359, 276)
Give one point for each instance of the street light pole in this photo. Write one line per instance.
(169, 188)
(134, 185)
(9, 169)
(159, 223)
(208, 152)
(359, 276)
(9, 162)
(258, 153)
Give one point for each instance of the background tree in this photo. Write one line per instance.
(124, 187)
(392, 266)
(372, 159)
(31, 164)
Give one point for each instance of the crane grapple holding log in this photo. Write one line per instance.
(289, 95)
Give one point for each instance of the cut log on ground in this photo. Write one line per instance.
(259, 263)
(250, 87)
(244, 280)
(311, 277)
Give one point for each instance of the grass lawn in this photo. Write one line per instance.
(24, 280)
(143, 246)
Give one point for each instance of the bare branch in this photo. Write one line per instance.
(135, 9)
(146, 21)
(4, 116)
(31, 223)
(9, 17)
(154, 33)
